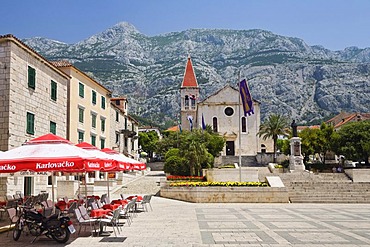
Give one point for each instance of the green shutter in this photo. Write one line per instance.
(53, 94)
(30, 123)
(93, 140)
(102, 124)
(102, 102)
(53, 128)
(31, 77)
(81, 90)
(80, 115)
(94, 97)
(93, 121)
(102, 143)
(80, 136)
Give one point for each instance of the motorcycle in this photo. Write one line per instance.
(57, 226)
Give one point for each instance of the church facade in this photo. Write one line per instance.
(223, 111)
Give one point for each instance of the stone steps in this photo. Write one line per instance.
(324, 188)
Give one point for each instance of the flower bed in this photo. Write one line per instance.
(222, 184)
(186, 178)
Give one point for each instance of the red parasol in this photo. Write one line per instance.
(48, 153)
(134, 164)
(109, 164)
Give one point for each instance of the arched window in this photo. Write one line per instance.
(263, 148)
(244, 125)
(214, 121)
(192, 103)
(186, 103)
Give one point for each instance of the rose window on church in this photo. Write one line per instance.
(229, 111)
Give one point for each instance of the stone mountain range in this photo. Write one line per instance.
(285, 75)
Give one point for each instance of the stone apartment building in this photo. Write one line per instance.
(38, 96)
(88, 108)
(33, 101)
(124, 130)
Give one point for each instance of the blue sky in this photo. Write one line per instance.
(334, 24)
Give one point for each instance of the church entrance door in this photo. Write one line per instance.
(230, 148)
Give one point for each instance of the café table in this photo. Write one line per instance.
(111, 206)
(62, 205)
(138, 198)
(100, 212)
(120, 202)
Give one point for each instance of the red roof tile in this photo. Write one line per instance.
(174, 128)
(189, 76)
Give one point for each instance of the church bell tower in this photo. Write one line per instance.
(189, 92)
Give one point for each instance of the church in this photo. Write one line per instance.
(220, 110)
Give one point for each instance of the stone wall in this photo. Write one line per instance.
(226, 194)
(248, 174)
(358, 175)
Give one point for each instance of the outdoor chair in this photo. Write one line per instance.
(113, 221)
(18, 198)
(143, 204)
(46, 209)
(2, 208)
(102, 199)
(131, 209)
(85, 220)
(106, 200)
(99, 203)
(13, 217)
(94, 205)
(72, 207)
(89, 201)
(125, 214)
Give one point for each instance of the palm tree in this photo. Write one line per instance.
(274, 126)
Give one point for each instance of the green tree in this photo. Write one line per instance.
(196, 154)
(284, 146)
(310, 142)
(275, 126)
(353, 141)
(148, 142)
(175, 163)
(325, 142)
(170, 140)
(198, 147)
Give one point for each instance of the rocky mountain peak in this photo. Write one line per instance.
(285, 74)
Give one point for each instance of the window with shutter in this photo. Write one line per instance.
(53, 91)
(31, 77)
(30, 129)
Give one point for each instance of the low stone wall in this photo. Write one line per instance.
(358, 175)
(248, 174)
(226, 194)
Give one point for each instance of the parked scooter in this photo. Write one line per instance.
(57, 227)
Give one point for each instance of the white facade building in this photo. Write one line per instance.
(221, 111)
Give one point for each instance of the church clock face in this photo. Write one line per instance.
(229, 111)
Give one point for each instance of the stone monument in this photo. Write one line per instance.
(296, 158)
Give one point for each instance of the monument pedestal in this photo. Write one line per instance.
(296, 158)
